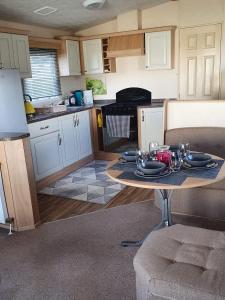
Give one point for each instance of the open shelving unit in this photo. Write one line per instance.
(109, 63)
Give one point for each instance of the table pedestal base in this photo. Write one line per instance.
(166, 218)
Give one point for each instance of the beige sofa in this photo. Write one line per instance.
(181, 263)
(207, 201)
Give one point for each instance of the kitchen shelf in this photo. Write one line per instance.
(109, 63)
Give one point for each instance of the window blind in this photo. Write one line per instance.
(45, 74)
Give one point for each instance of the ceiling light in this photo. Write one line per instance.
(46, 10)
(93, 4)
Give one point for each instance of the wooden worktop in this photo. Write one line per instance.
(12, 136)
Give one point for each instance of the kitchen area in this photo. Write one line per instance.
(66, 133)
(102, 97)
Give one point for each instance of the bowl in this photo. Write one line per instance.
(129, 155)
(198, 159)
(152, 167)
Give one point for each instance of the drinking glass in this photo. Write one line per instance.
(141, 157)
(153, 148)
(176, 161)
(184, 149)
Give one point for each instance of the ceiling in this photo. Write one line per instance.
(70, 14)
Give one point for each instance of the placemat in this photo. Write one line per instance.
(173, 179)
(205, 173)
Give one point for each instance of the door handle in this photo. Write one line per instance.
(74, 121)
(78, 121)
(59, 139)
(46, 127)
(143, 116)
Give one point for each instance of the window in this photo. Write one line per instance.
(45, 74)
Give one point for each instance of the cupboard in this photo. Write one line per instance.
(59, 142)
(158, 52)
(46, 153)
(69, 58)
(14, 53)
(93, 58)
(151, 126)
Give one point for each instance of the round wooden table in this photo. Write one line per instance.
(164, 190)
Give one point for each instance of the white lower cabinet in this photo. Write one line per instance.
(68, 131)
(84, 134)
(151, 122)
(69, 142)
(76, 137)
(46, 153)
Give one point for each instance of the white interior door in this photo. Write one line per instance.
(200, 62)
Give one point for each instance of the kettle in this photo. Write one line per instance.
(76, 98)
(29, 109)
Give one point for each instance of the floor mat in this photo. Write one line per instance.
(89, 183)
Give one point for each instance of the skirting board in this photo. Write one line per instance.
(56, 176)
(101, 155)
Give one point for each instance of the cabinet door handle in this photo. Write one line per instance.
(74, 121)
(46, 127)
(143, 116)
(78, 121)
(59, 139)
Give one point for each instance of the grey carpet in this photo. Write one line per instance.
(79, 258)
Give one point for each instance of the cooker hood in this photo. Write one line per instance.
(126, 45)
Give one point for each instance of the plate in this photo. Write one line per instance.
(129, 156)
(123, 161)
(152, 168)
(211, 165)
(165, 173)
(198, 159)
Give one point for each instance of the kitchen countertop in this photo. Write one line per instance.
(12, 136)
(97, 104)
(70, 110)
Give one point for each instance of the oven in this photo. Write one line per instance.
(123, 113)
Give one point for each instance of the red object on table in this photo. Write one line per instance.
(164, 156)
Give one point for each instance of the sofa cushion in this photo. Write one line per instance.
(206, 139)
(201, 202)
(182, 262)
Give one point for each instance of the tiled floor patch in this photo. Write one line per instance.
(89, 183)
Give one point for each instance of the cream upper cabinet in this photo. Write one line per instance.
(21, 54)
(158, 52)
(69, 59)
(93, 58)
(14, 53)
(6, 51)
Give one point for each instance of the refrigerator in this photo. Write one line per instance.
(3, 208)
(12, 116)
(12, 112)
